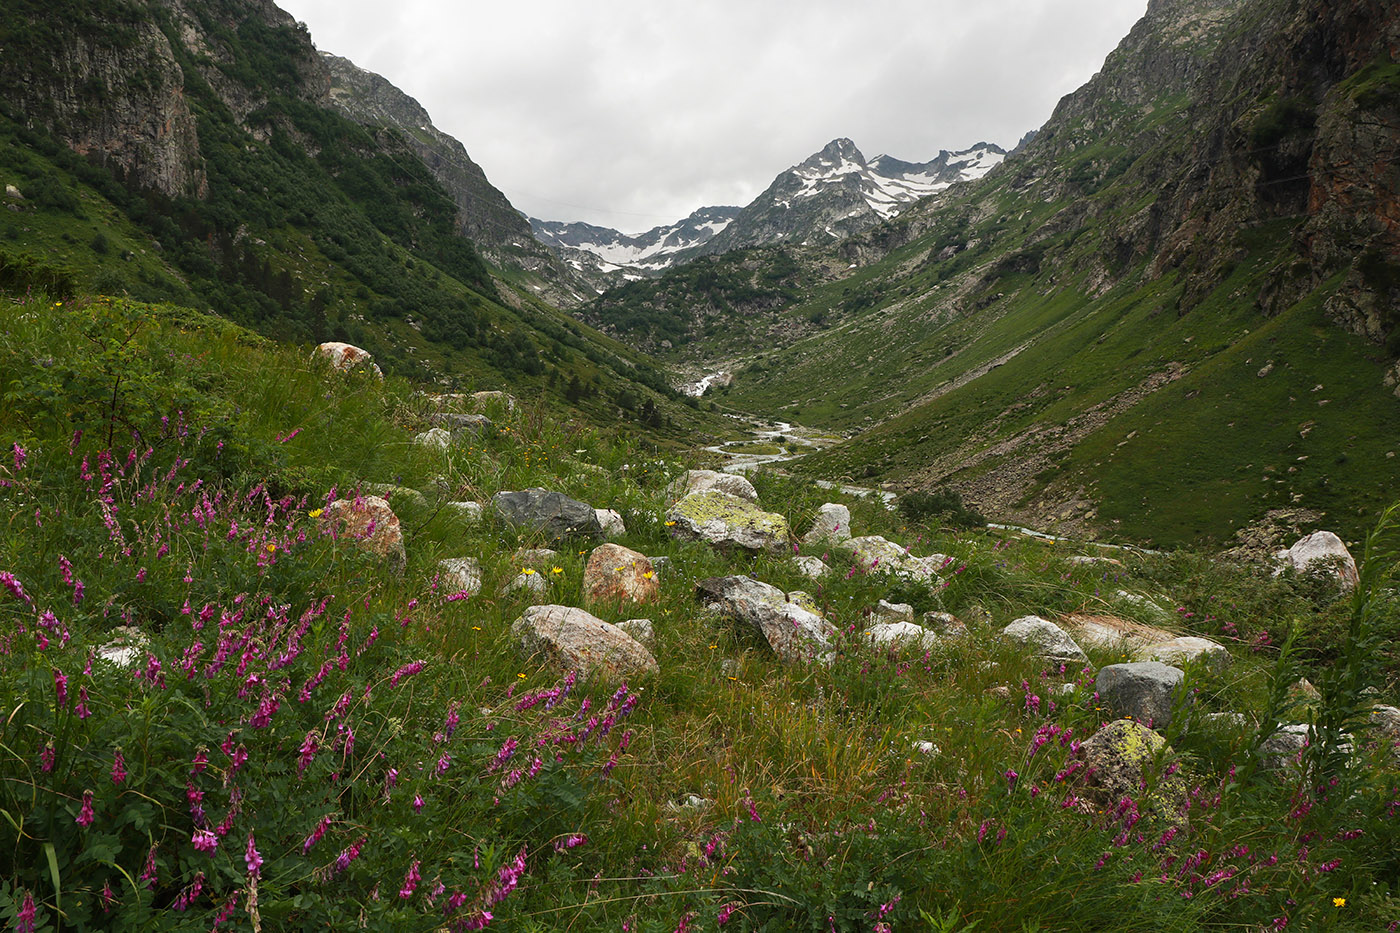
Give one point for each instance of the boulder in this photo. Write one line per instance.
(538, 557)
(805, 600)
(436, 438)
(458, 423)
(727, 521)
(642, 630)
(1186, 650)
(1284, 749)
(693, 481)
(553, 514)
(900, 634)
(346, 358)
(1087, 560)
(794, 633)
(494, 396)
(1119, 757)
(885, 611)
(1111, 633)
(1321, 552)
(810, 567)
(944, 623)
(611, 522)
(615, 574)
(371, 524)
(469, 512)
(1141, 690)
(1045, 639)
(529, 581)
(461, 575)
(832, 526)
(1385, 720)
(875, 554)
(393, 493)
(571, 639)
(126, 647)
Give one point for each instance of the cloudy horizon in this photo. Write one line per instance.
(629, 114)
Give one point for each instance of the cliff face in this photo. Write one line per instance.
(1237, 116)
(111, 89)
(107, 78)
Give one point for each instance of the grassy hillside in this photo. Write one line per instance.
(309, 227)
(304, 737)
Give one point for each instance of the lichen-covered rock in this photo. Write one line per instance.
(875, 554)
(726, 521)
(900, 634)
(693, 481)
(395, 494)
(811, 567)
(794, 633)
(461, 575)
(553, 514)
(529, 581)
(805, 600)
(436, 438)
(1321, 552)
(469, 512)
(571, 639)
(886, 611)
(1142, 690)
(1186, 650)
(615, 574)
(611, 522)
(832, 526)
(1119, 757)
(459, 424)
(1045, 639)
(371, 524)
(348, 358)
(537, 557)
(642, 630)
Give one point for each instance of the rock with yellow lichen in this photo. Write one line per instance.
(727, 521)
(1124, 757)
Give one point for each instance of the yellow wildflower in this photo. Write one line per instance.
(648, 575)
(1339, 902)
(521, 676)
(314, 513)
(528, 570)
(669, 524)
(271, 548)
(557, 570)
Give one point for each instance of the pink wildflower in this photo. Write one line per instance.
(204, 841)
(252, 859)
(84, 818)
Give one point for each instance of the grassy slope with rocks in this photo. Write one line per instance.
(305, 738)
(310, 227)
(1131, 328)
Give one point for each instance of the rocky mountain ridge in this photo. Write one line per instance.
(607, 255)
(830, 195)
(486, 216)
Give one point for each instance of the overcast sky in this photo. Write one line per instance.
(633, 113)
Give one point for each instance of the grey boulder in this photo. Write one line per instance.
(1143, 690)
(551, 513)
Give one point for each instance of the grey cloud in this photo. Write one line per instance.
(631, 114)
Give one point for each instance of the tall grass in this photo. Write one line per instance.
(392, 734)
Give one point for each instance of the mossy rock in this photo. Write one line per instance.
(728, 521)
